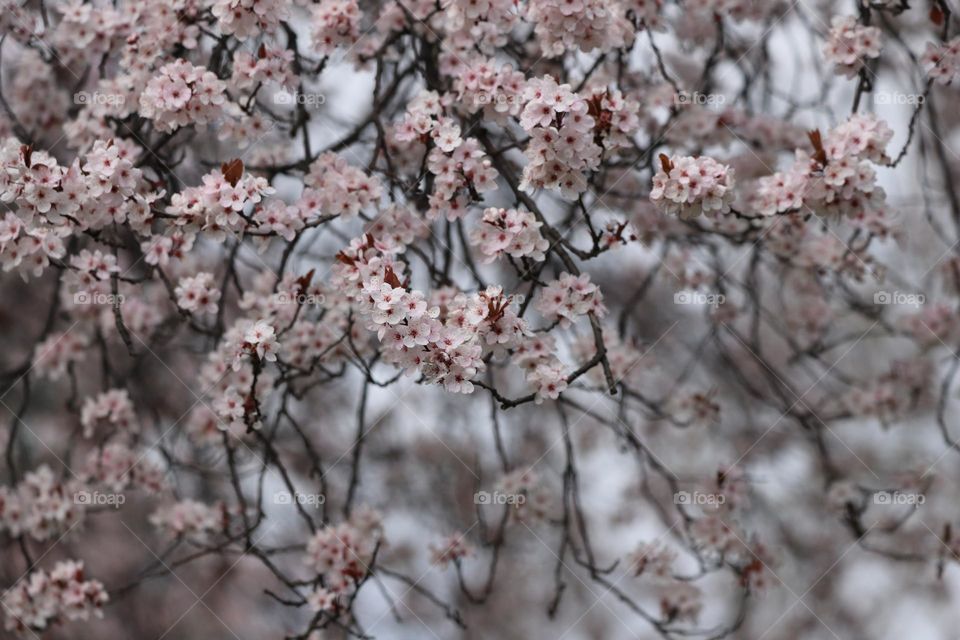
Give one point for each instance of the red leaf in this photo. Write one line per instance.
(666, 164)
(820, 154)
(304, 281)
(232, 171)
(391, 278)
(936, 15)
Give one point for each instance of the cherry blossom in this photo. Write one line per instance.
(182, 94)
(41, 599)
(942, 62)
(593, 302)
(851, 44)
(688, 187)
(342, 554)
(452, 549)
(569, 297)
(189, 519)
(41, 506)
(511, 232)
(112, 409)
(335, 24)
(245, 18)
(198, 294)
(580, 24)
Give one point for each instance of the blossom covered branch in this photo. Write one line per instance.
(463, 317)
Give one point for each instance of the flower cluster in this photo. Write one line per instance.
(655, 563)
(190, 519)
(681, 601)
(42, 599)
(424, 120)
(40, 506)
(891, 395)
(342, 553)
(652, 559)
(117, 466)
(497, 91)
(624, 358)
(269, 65)
(528, 496)
(242, 128)
(96, 265)
(512, 232)
(198, 294)
(246, 18)
(461, 175)
(322, 599)
(837, 179)
(453, 548)
(483, 24)
(568, 298)
(567, 131)
(569, 25)
(942, 62)
(397, 227)
(182, 94)
(159, 250)
(214, 206)
(309, 342)
(276, 218)
(415, 337)
(933, 325)
(694, 408)
(816, 248)
(261, 339)
(341, 189)
(109, 410)
(444, 338)
(549, 379)
(54, 355)
(228, 378)
(18, 21)
(279, 302)
(810, 315)
(335, 23)
(53, 201)
(849, 44)
(688, 186)
(543, 370)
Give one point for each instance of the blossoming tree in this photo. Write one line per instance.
(479, 318)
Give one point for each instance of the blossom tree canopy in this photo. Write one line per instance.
(535, 319)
